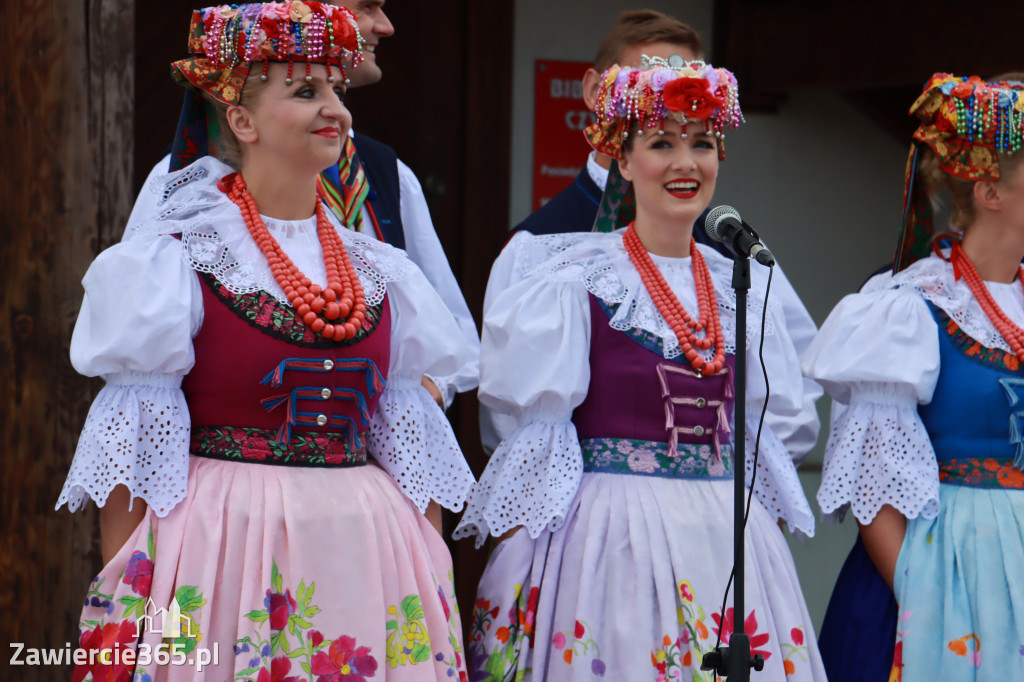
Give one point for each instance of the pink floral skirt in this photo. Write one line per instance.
(274, 573)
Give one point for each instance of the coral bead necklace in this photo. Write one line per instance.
(334, 312)
(963, 267)
(684, 327)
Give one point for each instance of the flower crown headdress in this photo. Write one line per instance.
(968, 123)
(672, 88)
(226, 40)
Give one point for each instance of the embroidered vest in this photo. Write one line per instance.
(258, 368)
(974, 416)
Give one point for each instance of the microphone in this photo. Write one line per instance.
(724, 224)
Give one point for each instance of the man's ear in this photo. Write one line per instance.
(987, 195)
(591, 86)
(242, 124)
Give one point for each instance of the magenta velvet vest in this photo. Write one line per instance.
(636, 394)
(261, 376)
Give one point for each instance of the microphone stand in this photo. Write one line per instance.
(734, 661)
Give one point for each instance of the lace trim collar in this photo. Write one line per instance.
(216, 240)
(600, 262)
(932, 278)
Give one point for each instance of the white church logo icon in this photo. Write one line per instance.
(166, 622)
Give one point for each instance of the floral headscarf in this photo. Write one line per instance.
(967, 122)
(681, 90)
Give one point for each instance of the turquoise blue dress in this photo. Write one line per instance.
(933, 427)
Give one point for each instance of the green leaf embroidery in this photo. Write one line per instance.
(412, 607)
(189, 599)
(259, 616)
(420, 652)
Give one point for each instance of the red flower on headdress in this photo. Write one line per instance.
(344, 33)
(691, 96)
(272, 28)
(966, 89)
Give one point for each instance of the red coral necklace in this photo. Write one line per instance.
(684, 327)
(963, 267)
(334, 312)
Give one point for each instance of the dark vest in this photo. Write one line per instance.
(246, 338)
(380, 163)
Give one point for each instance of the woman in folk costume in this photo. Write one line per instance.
(263, 411)
(928, 452)
(614, 356)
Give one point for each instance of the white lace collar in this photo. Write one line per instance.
(933, 279)
(600, 262)
(217, 241)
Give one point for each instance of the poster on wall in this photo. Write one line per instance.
(559, 118)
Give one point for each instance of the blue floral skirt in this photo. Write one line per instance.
(960, 585)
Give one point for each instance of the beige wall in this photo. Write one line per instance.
(820, 182)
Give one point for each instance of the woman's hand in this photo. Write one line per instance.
(432, 389)
(506, 535)
(433, 514)
(117, 523)
(883, 538)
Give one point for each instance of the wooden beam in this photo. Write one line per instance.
(65, 195)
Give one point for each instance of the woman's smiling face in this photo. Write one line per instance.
(303, 124)
(673, 177)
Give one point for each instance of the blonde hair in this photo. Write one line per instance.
(226, 146)
(945, 188)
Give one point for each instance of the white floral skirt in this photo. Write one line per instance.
(277, 573)
(631, 587)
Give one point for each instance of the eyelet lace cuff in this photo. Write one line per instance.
(530, 481)
(137, 436)
(778, 486)
(411, 438)
(879, 454)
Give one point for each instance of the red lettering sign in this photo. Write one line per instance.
(559, 117)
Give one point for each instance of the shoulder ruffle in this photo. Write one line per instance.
(600, 262)
(217, 241)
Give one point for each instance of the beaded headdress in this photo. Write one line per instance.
(968, 123)
(673, 88)
(226, 41)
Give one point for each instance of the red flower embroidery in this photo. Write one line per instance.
(279, 606)
(279, 668)
(344, 662)
(105, 665)
(692, 96)
(749, 627)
